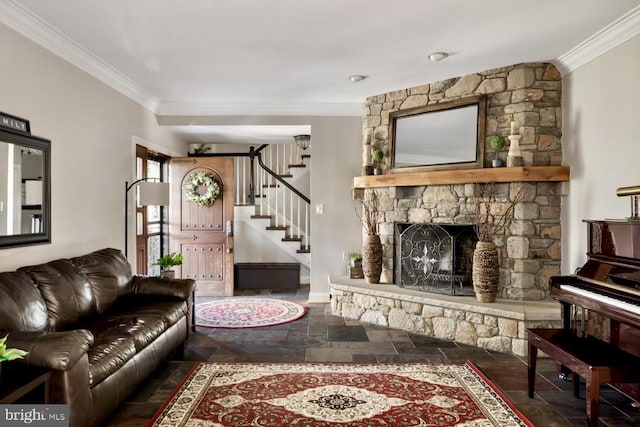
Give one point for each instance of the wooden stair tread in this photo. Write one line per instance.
(301, 165)
(261, 216)
(291, 239)
(279, 227)
(306, 156)
(304, 250)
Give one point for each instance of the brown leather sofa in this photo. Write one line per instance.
(99, 329)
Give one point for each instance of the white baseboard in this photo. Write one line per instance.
(318, 298)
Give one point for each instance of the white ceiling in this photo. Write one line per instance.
(294, 57)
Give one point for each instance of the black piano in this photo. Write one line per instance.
(607, 284)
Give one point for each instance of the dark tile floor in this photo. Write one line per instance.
(321, 337)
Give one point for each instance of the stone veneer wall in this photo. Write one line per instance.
(529, 94)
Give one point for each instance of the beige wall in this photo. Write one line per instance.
(601, 110)
(336, 159)
(337, 148)
(91, 128)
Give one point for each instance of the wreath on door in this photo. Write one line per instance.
(193, 189)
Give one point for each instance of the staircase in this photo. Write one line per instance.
(276, 227)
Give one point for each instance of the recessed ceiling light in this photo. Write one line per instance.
(357, 77)
(438, 56)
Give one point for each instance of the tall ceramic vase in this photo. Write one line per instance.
(486, 271)
(372, 258)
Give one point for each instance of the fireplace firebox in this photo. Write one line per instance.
(434, 257)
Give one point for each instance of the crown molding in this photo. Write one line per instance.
(259, 109)
(20, 19)
(619, 31)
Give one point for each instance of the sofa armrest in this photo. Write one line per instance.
(180, 288)
(53, 350)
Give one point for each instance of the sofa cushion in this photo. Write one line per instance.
(109, 352)
(109, 274)
(141, 329)
(22, 308)
(66, 292)
(169, 309)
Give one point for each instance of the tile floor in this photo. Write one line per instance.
(321, 337)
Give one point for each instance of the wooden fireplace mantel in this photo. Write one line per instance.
(465, 176)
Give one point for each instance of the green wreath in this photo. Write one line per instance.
(192, 189)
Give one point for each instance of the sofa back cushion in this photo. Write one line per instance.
(109, 274)
(22, 307)
(66, 292)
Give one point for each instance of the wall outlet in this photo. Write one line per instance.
(344, 255)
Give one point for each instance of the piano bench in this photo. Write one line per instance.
(598, 362)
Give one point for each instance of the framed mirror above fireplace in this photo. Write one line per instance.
(447, 135)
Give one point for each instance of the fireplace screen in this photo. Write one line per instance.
(434, 257)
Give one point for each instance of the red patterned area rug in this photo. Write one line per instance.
(337, 395)
(247, 312)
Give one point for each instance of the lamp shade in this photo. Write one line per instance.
(153, 193)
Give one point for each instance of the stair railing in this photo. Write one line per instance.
(284, 202)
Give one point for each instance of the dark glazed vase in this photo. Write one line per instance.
(372, 258)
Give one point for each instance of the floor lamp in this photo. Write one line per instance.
(151, 194)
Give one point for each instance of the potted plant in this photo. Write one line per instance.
(7, 354)
(497, 143)
(356, 259)
(167, 261)
(378, 156)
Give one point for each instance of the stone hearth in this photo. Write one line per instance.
(499, 326)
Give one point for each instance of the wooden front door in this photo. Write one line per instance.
(200, 232)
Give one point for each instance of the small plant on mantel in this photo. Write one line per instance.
(378, 157)
(497, 143)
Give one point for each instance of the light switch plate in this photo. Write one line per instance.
(319, 209)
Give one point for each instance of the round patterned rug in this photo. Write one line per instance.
(247, 312)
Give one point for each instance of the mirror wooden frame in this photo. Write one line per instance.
(30, 141)
(478, 163)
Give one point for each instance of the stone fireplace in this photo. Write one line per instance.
(529, 248)
(528, 94)
(434, 257)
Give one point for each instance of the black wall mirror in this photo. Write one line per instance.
(25, 184)
(448, 135)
